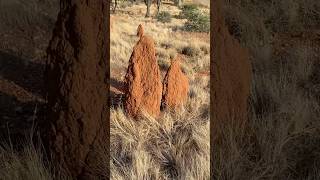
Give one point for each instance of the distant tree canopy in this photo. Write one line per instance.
(114, 3)
(148, 4)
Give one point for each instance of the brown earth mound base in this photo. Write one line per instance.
(230, 72)
(143, 80)
(140, 31)
(77, 97)
(175, 85)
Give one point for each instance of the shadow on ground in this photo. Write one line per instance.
(27, 74)
(21, 96)
(18, 118)
(117, 89)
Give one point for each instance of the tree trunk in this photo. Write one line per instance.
(158, 6)
(77, 94)
(178, 3)
(148, 3)
(115, 5)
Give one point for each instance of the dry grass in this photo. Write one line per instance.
(173, 147)
(23, 165)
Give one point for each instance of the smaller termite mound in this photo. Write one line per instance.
(175, 85)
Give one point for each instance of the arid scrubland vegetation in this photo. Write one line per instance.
(176, 145)
(281, 138)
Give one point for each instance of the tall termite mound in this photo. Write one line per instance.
(75, 77)
(175, 85)
(143, 79)
(230, 73)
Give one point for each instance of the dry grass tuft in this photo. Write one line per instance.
(26, 164)
(176, 146)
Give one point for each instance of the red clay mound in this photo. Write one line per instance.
(140, 31)
(175, 85)
(143, 81)
(76, 71)
(230, 72)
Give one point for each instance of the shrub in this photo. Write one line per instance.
(166, 45)
(190, 51)
(164, 17)
(188, 11)
(163, 64)
(198, 23)
(205, 49)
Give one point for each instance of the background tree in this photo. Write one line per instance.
(178, 3)
(115, 5)
(148, 4)
(158, 6)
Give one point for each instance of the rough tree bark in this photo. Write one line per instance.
(76, 72)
